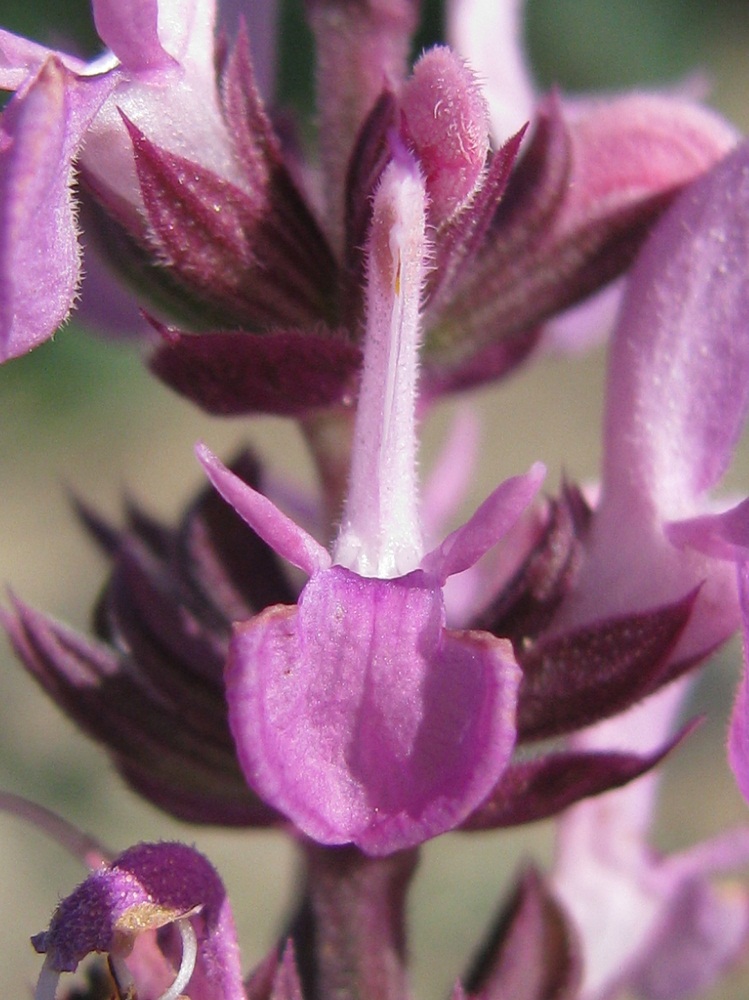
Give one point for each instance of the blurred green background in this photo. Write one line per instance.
(82, 415)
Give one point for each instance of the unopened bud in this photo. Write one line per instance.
(446, 123)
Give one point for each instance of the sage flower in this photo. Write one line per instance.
(356, 713)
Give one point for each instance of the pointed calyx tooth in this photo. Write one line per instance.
(446, 123)
(380, 531)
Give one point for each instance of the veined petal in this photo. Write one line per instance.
(362, 719)
(40, 133)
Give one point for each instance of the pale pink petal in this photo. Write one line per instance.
(449, 479)
(176, 105)
(604, 871)
(722, 536)
(21, 59)
(738, 733)
(584, 326)
(702, 932)
(678, 389)
(725, 536)
(630, 147)
(679, 372)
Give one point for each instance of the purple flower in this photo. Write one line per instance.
(356, 712)
(165, 887)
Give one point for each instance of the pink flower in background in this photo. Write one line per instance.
(659, 925)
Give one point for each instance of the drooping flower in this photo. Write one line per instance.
(158, 924)
(158, 912)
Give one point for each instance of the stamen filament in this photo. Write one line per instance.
(189, 957)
